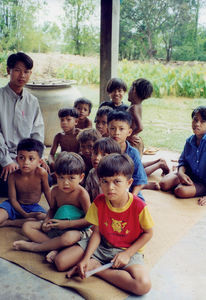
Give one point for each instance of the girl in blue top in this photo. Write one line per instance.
(190, 180)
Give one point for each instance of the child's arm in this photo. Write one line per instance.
(13, 199)
(45, 185)
(122, 259)
(89, 123)
(52, 209)
(137, 125)
(53, 150)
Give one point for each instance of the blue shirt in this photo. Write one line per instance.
(139, 175)
(193, 158)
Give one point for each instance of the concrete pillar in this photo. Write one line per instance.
(109, 43)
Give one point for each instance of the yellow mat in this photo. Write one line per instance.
(173, 218)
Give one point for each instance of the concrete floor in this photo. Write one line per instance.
(178, 275)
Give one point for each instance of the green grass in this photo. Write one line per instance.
(167, 121)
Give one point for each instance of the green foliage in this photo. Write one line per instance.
(168, 80)
(3, 60)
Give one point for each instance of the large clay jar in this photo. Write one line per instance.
(52, 96)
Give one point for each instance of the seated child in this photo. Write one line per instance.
(101, 120)
(119, 124)
(65, 223)
(140, 90)
(101, 148)
(190, 180)
(86, 139)
(26, 185)
(122, 226)
(116, 89)
(67, 139)
(84, 107)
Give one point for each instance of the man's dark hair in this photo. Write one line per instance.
(31, 145)
(88, 134)
(22, 57)
(69, 163)
(117, 115)
(103, 111)
(200, 110)
(143, 88)
(106, 145)
(116, 83)
(115, 164)
(64, 112)
(83, 101)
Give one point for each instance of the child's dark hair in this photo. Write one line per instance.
(200, 110)
(106, 145)
(118, 115)
(83, 101)
(88, 134)
(69, 163)
(22, 57)
(143, 88)
(64, 112)
(103, 111)
(116, 83)
(31, 145)
(115, 164)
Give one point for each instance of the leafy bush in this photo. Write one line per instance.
(184, 79)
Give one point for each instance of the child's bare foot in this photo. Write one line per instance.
(152, 186)
(164, 167)
(23, 245)
(50, 257)
(202, 201)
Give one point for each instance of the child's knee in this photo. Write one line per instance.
(142, 285)
(60, 263)
(180, 192)
(164, 186)
(26, 228)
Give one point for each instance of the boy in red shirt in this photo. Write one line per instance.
(122, 226)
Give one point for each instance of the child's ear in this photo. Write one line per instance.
(129, 132)
(8, 71)
(82, 177)
(130, 181)
(76, 121)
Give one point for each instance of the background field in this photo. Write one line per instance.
(167, 120)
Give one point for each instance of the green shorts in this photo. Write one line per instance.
(105, 254)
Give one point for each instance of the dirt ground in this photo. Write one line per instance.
(46, 64)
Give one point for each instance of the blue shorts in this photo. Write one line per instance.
(13, 214)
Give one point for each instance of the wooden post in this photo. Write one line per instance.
(109, 43)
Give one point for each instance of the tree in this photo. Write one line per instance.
(17, 23)
(80, 35)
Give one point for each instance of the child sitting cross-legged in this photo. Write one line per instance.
(101, 148)
(65, 223)
(67, 139)
(26, 185)
(84, 107)
(101, 120)
(190, 180)
(122, 227)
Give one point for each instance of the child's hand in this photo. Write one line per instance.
(58, 224)
(45, 227)
(82, 268)
(185, 179)
(120, 260)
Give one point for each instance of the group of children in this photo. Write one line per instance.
(97, 213)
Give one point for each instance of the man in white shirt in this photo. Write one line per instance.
(20, 115)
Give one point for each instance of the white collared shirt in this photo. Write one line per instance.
(20, 117)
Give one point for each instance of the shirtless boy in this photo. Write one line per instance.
(26, 185)
(65, 223)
